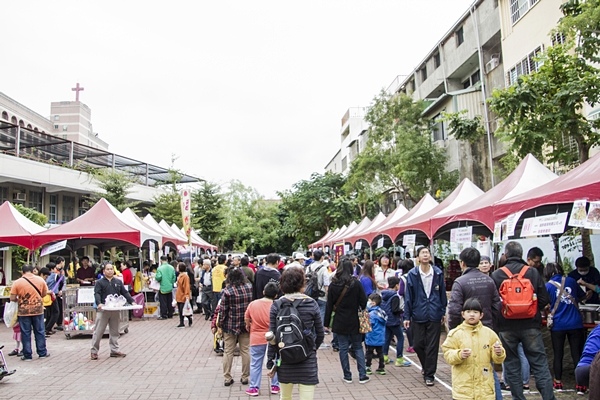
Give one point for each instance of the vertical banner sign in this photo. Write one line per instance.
(151, 250)
(338, 249)
(186, 213)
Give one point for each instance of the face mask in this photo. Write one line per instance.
(370, 304)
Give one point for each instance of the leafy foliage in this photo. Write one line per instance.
(208, 211)
(316, 205)
(400, 153)
(167, 205)
(20, 254)
(582, 24)
(469, 129)
(116, 185)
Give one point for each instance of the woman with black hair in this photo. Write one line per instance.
(565, 316)
(367, 278)
(345, 298)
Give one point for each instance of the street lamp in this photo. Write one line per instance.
(252, 249)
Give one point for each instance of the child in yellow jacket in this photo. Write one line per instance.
(470, 349)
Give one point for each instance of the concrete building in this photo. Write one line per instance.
(353, 139)
(45, 164)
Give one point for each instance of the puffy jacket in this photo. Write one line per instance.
(417, 306)
(377, 335)
(390, 302)
(474, 283)
(472, 378)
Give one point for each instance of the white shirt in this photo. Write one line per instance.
(427, 279)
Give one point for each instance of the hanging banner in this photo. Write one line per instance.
(544, 225)
(409, 240)
(358, 245)
(53, 247)
(186, 213)
(4, 248)
(593, 218)
(346, 248)
(380, 243)
(484, 247)
(460, 238)
(151, 250)
(578, 214)
(497, 232)
(338, 251)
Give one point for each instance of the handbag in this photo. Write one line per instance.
(48, 299)
(550, 317)
(337, 303)
(154, 285)
(10, 314)
(364, 322)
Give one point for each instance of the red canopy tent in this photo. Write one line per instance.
(361, 225)
(376, 230)
(102, 225)
(358, 235)
(529, 174)
(581, 183)
(15, 228)
(426, 204)
(320, 242)
(465, 192)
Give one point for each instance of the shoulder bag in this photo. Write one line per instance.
(337, 303)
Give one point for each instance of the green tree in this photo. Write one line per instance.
(316, 205)
(208, 211)
(167, 205)
(117, 186)
(21, 254)
(542, 113)
(581, 23)
(400, 154)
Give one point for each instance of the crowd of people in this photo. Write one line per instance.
(277, 313)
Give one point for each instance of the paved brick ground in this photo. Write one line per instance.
(164, 362)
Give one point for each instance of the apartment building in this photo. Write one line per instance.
(353, 139)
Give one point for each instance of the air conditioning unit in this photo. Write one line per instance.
(492, 64)
(19, 196)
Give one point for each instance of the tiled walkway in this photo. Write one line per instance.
(164, 362)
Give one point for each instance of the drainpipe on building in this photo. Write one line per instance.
(486, 123)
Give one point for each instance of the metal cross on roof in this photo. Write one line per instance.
(77, 89)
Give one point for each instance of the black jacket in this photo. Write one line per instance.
(474, 283)
(104, 287)
(539, 287)
(345, 321)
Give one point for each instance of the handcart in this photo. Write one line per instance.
(79, 313)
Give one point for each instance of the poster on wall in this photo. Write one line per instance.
(460, 238)
(380, 243)
(409, 240)
(497, 237)
(511, 222)
(484, 247)
(358, 245)
(593, 218)
(578, 214)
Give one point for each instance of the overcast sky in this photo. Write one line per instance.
(247, 89)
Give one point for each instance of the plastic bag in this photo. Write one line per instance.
(10, 314)
(187, 309)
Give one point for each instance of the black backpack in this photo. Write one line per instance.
(294, 342)
(312, 284)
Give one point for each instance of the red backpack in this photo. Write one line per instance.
(519, 300)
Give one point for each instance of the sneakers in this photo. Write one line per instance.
(118, 354)
(26, 358)
(15, 352)
(347, 380)
(45, 355)
(369, 372)
(580, 389)
(180, 326)
(558, 386)
(252, 392)
(94, 356)
(381, 371)
(228, 383)
(504, 387)
(410, 349)
(275, 389)
(429, 382)
(401, 362)
(364, 379)
(386, 359)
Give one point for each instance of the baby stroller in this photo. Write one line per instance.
(4, 371)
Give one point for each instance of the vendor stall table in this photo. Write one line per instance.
(79, 312)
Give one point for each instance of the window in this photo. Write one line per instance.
(524, 67)
(55, 126)
(411, 86)
(344, 163)
(438, 131)
(56, 117)
(3, 194)
(436, 60)
(423, 72)
(558, 38)
(53, 209)
(460, 36)
(64, 127)
(472, 79)
(5, 115)
(68, 208)
(518, 8)
(35, 201)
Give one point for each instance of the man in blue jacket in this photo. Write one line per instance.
(424, 309)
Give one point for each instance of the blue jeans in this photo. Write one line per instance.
(390, 332)
(322, 305)
(257, 356)
(354, 341)
(525, 368)
(533, 347)
(35, 323)
(497, 387)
